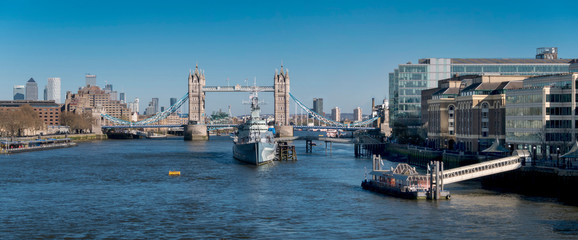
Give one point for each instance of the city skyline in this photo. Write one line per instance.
(146, 50)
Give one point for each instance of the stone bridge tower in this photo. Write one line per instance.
(282, 98)
(196, 129)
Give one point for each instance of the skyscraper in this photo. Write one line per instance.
(336, 114)
(318, 106)
(90, 80)
(173, 101)
(45, 93)
(31, 90)
(122, 97)
(357, 116)
(19, 92)
(155, 105)
(53, 90)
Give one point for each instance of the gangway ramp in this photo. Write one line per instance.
(481, 169)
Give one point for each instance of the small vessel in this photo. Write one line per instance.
(254, 142)
(152, 135)
(174, 173)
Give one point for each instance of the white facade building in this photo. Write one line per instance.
(53, 90)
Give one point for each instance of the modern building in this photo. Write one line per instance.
(122, 97)
(542, 116)
(153, 107)
(31, 90)
(19, 92)
(173, 101)
(90, 80)
(318, 106)
(408, 80)
(48, 111)
(134, 106)
(53, 89)
(357, 116)
(336, 114)
(467, 113)
(45, 93)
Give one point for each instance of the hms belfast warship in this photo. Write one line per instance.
(255, 141)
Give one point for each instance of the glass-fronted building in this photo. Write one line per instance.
(542, 115)
(408, 80)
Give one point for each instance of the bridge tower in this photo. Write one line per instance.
(282, 89)
(196, 129)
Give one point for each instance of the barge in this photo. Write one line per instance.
(35, 145)
(403, 181)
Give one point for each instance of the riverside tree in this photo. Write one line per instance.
(14, 122)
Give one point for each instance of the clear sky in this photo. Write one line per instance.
(341, 51)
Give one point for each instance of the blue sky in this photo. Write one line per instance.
(341, 51)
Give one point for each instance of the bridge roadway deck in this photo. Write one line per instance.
(317, 138)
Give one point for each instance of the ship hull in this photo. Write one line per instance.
(256, 153)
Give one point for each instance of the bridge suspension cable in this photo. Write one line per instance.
(157, 117)
(321, 118)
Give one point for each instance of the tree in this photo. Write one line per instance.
(77, 122)
(15, 121)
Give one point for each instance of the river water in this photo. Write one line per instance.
(121, 189)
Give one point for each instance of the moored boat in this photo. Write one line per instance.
(255, 141)
(402, 181)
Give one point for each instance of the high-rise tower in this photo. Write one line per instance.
(19, 92)
(31, 90)
(53, 90)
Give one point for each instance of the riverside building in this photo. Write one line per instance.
(542, 116)
(466, 113)
(408, 80)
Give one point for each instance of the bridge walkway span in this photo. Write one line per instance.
(481, 169)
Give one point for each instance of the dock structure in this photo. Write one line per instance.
(286, 152)
(408, 183)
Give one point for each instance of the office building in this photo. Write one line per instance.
(53, 90)
(90, 80)
(318, 106)
(19, 92)
(153, 107)
(336, 114)
(134, 106)
(542, 116)
(357, 116)
(408, 80)
(122, 97)
(45, 93)
(31, 90)
(173, 101)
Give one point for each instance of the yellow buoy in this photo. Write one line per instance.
(174, 173)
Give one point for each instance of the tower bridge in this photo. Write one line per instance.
(196, 127)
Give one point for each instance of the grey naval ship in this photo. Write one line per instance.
(255, 141)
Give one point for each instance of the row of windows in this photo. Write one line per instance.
(528, 111)
(524, 124)
(509, 68)
(522, 136)
(558, 137)
(558, 98)
(558, 111)
(533, 98)
(559, 124)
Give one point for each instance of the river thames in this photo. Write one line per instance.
(121, 189)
